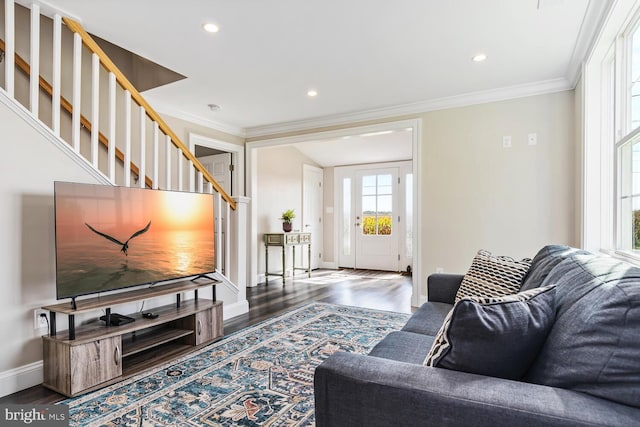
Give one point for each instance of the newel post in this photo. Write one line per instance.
(239, 253)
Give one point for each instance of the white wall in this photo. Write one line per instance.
(279, 188)
(27, 262)
(477, 194)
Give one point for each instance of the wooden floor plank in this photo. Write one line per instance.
(361, 288)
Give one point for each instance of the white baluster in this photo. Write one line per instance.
(226, 237)
(9, 35)
(180, 162)
(192, 177)
(200, 182)
(34, 80)
(57, 64)
(95, 108)
(156, 136)
(111, 150)
(209, 188)
(168, 154)
(127, 138)
(219, 247)
(77, 69)
(142, 173)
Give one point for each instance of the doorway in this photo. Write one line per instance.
(374, 231)
(331, 213)
(312, 187)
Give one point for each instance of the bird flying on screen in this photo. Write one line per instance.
(125, 245)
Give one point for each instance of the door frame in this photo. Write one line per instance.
(341, 172)
(237, 158)
(316, 240)
(419, 283)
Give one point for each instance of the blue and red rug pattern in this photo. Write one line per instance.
(261, 375)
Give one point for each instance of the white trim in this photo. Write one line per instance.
(20, 378)
(163, 108)
(462, 100)
(236, 150)
(415, 124)
(48, 134)
(236, 309)
(47, 9)
(594, 18)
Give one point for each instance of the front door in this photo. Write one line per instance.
(376, 228)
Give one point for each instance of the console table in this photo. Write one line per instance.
(284, 240)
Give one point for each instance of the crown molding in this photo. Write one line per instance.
(594, 18)
(472, 98)
(199, 120)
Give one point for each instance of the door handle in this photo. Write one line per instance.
(116, 356)
(199, 327)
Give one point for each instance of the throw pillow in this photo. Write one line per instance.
(492, 276)
(498, 337)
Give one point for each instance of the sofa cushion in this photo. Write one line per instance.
(495, 336)
(594, 345)
(403, 347)
(544, 261)
(428, 319)
(492, 276)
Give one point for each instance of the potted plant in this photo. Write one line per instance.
(287, 218)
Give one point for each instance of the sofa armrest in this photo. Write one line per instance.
(443, 287)
(359, 390)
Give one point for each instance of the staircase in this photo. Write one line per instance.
(54, 71)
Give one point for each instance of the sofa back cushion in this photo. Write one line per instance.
(492, 276)
(594, 345)
(544, 261)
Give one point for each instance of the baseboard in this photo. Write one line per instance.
(18, 379)
(329, 265)
(236, 309)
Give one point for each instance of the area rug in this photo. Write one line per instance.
(259, 376)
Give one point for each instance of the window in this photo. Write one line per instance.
(622, 76)
(377, 196)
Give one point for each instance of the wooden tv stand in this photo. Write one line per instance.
(94, 355)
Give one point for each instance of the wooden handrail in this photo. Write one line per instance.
(88, 41)
(66, 105)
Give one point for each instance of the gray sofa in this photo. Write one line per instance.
(587, 372)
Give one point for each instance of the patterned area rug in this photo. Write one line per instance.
(261, 375)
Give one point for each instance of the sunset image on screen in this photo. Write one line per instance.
(112, 237)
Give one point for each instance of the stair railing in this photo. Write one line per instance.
(157, 149)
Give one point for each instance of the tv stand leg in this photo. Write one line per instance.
(73, 303)
(52, 323)
(72, 327)
(108, 316)
(195, 294)
(178, 300)
(213, 289)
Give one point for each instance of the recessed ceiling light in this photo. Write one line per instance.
(211, 28)
(312, 93)
(479, 57)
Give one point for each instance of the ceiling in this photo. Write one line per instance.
(365, 58)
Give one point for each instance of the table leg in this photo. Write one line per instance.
(266, 264)
(284, 264)
(309, 260)
(293, 270)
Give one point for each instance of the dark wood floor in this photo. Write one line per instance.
(362, 288)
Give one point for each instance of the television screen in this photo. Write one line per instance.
(115, 237)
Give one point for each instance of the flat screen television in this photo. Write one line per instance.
(111, 237)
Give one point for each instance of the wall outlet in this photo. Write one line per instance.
(40, 318)
(532, 139)
(506, 141)
(439, 270)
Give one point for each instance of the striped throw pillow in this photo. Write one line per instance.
(493, 276)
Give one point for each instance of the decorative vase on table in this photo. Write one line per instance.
(287, 226)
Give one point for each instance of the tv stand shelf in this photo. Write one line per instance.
(96, 355)
(90, 304)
